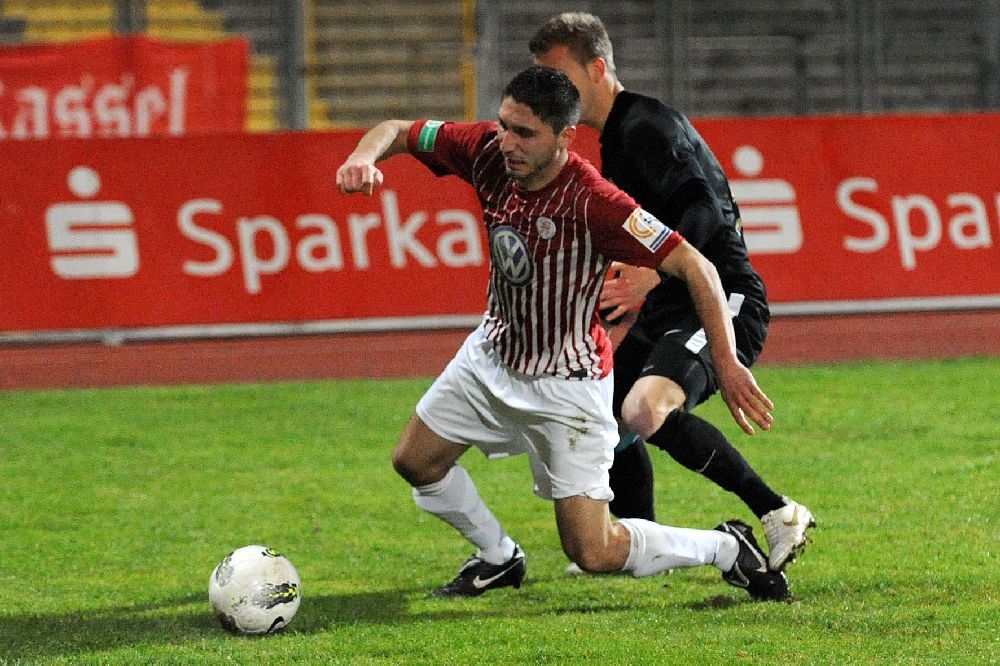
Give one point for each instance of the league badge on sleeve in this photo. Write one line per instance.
(646, 229)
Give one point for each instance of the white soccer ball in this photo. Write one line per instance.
(254, 590)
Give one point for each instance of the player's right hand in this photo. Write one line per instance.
(624, 289)
(356, 175)
(745, 399)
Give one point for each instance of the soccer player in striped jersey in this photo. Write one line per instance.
(535, 377)
(663, 369)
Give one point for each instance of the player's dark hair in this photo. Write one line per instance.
(580, 32)
(549, 94)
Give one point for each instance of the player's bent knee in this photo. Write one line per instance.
(603, 556)
(595, 562)
(649, 403)
(421, 456)
(588, 537)
(405, 467)
(643, 417)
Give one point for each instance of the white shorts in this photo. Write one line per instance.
(565, 426)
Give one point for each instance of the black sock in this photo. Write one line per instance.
(701, 447)
(632, 482)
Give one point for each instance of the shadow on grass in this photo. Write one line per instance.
(186, 619)
(325, 612)
(37, 635)
(718, 602)
(397, 607)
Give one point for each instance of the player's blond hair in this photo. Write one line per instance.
(581, 32)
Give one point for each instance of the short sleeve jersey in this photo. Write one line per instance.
(549, 249)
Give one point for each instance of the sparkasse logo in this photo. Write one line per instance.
(769, 214)
(97, 240)
(91, 239)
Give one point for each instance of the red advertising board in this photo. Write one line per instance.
(868, 213)
(841, 214)
(122, 86)
(233, 228)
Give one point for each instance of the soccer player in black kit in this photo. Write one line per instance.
(662, 366)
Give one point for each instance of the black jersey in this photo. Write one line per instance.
(652, 151)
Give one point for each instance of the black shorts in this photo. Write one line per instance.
(676, 349)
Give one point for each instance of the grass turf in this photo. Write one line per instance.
(116, 504)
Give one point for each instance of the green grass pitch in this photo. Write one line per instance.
(115, 506)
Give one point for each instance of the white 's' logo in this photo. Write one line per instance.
(767, 207)
(91, 239)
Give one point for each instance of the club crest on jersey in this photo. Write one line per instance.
(546, 228)
(510, 256)
(646, 229)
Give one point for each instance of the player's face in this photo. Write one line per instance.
(559, 57)
(533, 154)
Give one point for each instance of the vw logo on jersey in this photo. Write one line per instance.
(510, 255)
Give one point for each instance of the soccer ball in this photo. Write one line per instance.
(254, 590)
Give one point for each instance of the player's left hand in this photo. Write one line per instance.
(746, 401)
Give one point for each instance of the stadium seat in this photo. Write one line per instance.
(12, 29)
(370, 63)
(189, 20)
(62, 21)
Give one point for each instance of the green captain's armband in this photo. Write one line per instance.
(428, 135)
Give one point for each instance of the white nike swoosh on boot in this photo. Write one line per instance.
(480, 583)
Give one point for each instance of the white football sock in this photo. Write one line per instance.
(657, 547)
(455, 500)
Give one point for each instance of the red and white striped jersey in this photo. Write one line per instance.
(549, 249)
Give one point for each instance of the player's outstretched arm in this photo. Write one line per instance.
(359, 173)
(746, 401)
